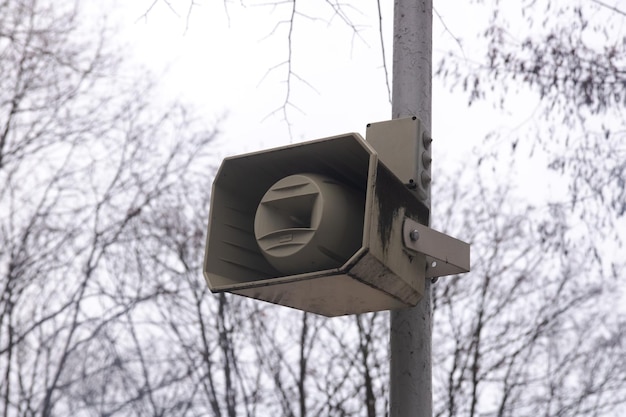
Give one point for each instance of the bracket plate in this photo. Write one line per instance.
(445, 255)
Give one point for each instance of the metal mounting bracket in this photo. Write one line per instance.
(445, 255)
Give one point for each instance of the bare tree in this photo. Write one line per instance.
(83, 159)
(518, 335)
(572, 56)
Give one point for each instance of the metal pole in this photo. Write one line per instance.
(411, 329)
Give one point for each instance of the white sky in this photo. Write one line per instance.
(220, 63)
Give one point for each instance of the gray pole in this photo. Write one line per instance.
(411, 329)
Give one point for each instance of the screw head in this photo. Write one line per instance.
(414, 235)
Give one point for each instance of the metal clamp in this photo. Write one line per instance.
(445, 255)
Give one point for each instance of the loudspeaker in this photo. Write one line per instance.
(316, 226)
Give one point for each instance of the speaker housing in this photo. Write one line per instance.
(380, 275)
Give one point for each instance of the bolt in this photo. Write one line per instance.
(414, 235)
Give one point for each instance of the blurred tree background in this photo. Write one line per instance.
(103, 208)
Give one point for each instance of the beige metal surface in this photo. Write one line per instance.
(445, 255)
(232, 254)
(331, 296)
(404, 146)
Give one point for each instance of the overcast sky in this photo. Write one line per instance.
(221, 60)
